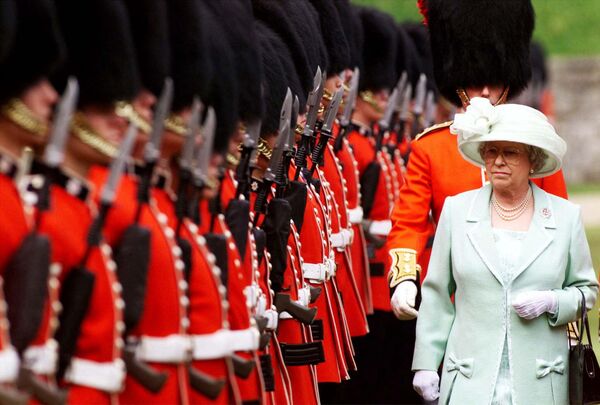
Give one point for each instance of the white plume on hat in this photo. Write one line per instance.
(483, 122)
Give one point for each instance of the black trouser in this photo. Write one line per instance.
(383, 359)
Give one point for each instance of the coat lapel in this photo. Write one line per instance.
(480, 233)
(538, 237)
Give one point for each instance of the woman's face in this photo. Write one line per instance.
(507, 164)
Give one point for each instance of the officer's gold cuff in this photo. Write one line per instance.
(404, 266)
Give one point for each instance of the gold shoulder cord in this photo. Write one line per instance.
(369, 98)
(264, 149)
(16, 111)
(404, 266)
(86, 134)
(175, 124)
(125, 110)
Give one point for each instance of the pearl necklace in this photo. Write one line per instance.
(510, 214)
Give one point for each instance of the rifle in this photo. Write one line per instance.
(243, 171)
(383, 125)
(271, 174)
(282, 179)
(313, 102)
(345, 119)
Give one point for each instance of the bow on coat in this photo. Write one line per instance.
(464, 366)
(546, 367)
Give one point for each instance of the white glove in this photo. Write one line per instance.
(403, 301)
(427, 384)
(531, 304)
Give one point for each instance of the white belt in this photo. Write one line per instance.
(380, 228)
(319, 271)
(244, 340)
(108, 377)
(42, 359)
(168, 349)
(355, 215)
(341, 239)
(211, 345)
(9, 361)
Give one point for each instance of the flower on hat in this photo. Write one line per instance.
(477, 120)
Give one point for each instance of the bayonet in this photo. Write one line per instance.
(385, 121)
(430, 109)
(55, 150)
(282, 138)
(163, 107)
(117, 166)
(405, 107)
(204, 150)
(401, 86)
(325, 134)
(349, 104)
(420, 95)
(187, 153)
(313, 104)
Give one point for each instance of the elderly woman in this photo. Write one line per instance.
(508, 269)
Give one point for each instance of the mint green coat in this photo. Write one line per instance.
(468, 334)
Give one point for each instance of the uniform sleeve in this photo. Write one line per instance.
(555, 185)
(437, 312)
(579, 276)
(410, 216)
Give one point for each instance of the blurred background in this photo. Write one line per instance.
(569, 32)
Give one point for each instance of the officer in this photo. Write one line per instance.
(434, 161)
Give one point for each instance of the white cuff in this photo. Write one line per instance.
(356, 215)
(42, 360)
(9, 359)
(380, 228)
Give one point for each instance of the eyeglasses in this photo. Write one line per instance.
(510, 155)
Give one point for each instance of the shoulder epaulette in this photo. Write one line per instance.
(433, 128)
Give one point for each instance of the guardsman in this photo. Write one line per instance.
(30, 48)
(286, 279)
(338, 51)
(434, 160)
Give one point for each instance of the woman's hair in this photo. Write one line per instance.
(537, 157)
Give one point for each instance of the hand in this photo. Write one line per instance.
(531, 304)
(427, 384)
(403, 301)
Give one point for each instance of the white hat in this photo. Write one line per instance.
(483, 122)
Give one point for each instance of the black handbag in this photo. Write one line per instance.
(584, 372)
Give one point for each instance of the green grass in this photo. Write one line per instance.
(565, 27)
(583, 188)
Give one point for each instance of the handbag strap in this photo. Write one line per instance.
(585, 325)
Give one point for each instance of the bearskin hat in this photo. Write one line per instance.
(8, 26)
(37, 46)
(223, 94)
(191, 69)
(242, 40)
(334, 36)
(480, 42)
(379, 50)
(279, 74)
(419, 35)
(150, 31)
(277, 16)
(352, 31)
(100, 50)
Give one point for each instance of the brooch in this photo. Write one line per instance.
(546, 213)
